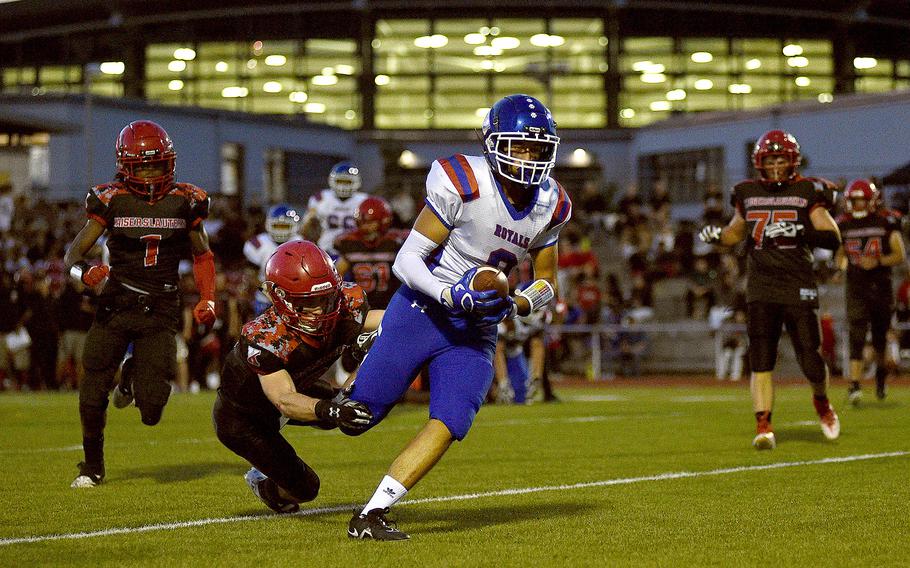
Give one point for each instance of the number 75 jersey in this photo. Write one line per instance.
(780, 268)
(485, 228)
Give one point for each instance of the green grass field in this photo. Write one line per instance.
(728, 510)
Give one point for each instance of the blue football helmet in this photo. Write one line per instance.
(344, 179)
(523, 121)
(282, 223)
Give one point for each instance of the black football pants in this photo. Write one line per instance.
(765, 324)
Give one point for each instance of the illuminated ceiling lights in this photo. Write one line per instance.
(864, 62)
(481, 112)
(315, 108)
(350, 114)
(234, 92)
(648, 67)
(627, 113)
(580, 158)
(653, 77)
(475, 39)
(799, 61)
(753, 64)
(660, 106)
(702, 57)
(434, 41)
(792, 50)
(703, 84)
(382, 80)
(505, 42)
(221, 66)
(408, 159)
(175, 85)
(298, 97)
(272, 87)
(112, 67)
(802, 81)
(176, 66)
(676, 95)
(342, 69)
(275, 60)
(825, 97)
(185, 54)
(325, 80)
(740, 89)
(487, 50)
(547, 40)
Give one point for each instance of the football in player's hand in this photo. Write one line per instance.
(490, 278)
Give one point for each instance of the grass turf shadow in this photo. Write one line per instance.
(426, 520)
(175, 473)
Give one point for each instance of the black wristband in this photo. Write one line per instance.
(78, 269)
(823, 239)
(322, 410)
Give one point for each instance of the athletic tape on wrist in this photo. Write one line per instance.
(538, 294)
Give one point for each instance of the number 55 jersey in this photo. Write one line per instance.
(485, 228)
(780, 268)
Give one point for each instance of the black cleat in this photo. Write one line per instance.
(880, 391)
(374, 526)
(854, 394)
(267, 492)
(89, 476)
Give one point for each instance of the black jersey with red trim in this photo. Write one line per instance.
(147, 240)
(869, 236)
(267, 345)
(371, 264)
(780, 269)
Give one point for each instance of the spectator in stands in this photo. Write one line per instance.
(590, 298)
(633, 345)
(660, 200)
(41, 323)
(593, 206)
(7, 207)
(700, 297)
(75, 313)
(713, 206)
(574, 259)
(732, 357)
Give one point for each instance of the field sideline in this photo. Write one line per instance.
(616, 475)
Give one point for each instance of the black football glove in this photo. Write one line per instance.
(345, 413)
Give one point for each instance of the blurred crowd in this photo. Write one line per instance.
(613, 254)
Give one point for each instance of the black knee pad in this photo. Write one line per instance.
(305, 486)
(151, 413)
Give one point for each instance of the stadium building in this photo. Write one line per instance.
(278, 90)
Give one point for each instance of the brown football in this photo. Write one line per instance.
(490, 278)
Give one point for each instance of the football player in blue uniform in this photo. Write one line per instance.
(480, 210)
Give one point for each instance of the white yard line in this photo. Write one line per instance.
(449, 498)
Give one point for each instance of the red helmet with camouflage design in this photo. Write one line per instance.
(302, 283)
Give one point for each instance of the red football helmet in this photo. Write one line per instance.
(861, 189)
(146, 159)
(302, 283)
(776, 143)
(373, 217)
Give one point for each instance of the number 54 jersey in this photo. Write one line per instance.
(485, 228)
(780, 269)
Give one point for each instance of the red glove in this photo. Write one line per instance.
(204, 273)
(91, 276)
(204, 312)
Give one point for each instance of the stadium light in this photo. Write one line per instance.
(475, 39)
(580, 158)
(825, 98)
(176, 66)
(343, 69)
(314, 108)
(382, 80)
(350, 114)
(792, 50)
(221, 67)
(660, 106)
(703, 84)
(653, 78)
(505, 42)
(702, 57)
(272, 87)
(175, 85)
(487, 50)
(234, 92)
(325, 80)
(802, 81)
(185, 54)
(112, 67)
(627, 113)
(798, 62)
(434, 41)
(676, 95)
(864, 62)
(298, 97)
(753, 64)
(275, 60)
(740, 88)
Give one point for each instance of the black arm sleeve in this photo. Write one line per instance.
(822, 239)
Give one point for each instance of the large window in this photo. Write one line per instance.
(662, 76)
(105, 79)
(446, 73)
(317, 77)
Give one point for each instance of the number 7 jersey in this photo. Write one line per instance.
(485, 228)
(780, 269)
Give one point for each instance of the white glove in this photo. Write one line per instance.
(783, 229)
(710, 234)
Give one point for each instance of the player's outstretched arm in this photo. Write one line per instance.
(74, 259)
(204, 273)
(409, 265)
(733, 234)
(825, 233)
(279, 389)
(898, 253)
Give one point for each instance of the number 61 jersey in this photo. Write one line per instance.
(485, 228)
(780, 268)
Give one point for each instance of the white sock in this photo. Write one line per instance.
(387, 494)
